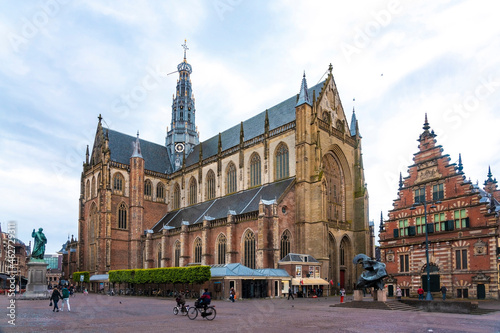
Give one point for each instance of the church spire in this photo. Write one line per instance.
(183, 135)
(304, 94)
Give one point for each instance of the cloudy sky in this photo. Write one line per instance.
(64, 62)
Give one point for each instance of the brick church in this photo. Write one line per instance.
(461, 221)
(288, 180)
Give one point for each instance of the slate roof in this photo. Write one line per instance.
(237, 269)
(121, 148)
(241, 202)
(278, 115)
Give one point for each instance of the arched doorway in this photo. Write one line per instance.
(345, 264)
(435, 278)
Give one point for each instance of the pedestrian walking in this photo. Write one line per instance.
(399, 293)
(65, 297)
(232, 294)
(290, 293)
(54, 298)
(342, 295)
(443, 291)
(420, 293)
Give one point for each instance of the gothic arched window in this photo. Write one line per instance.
(158, 256)
(118, 183)
(122, 216)
(333, 188)
(285, 244)
(221, 249)
(249, 249)
(87, 190)
(282, 170)
(177, 253)
(177, 197)
(210, 185)
(255, 170)
(231, 179)
(160, 192)
(193, 191)
(93, 189)
(148, 189)
(197, 250)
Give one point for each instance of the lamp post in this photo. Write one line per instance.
(428, 297)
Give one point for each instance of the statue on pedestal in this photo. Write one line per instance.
(39, 247)
(374, 272)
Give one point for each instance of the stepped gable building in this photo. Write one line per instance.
(462, 227)
(289, 179)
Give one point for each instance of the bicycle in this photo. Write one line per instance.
(182, 309)
(208, 312)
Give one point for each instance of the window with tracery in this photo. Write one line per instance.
(231, 179)
(255, 170)
(87, 190)
(158, 256)
(193, 191)
(210, 185)
(177, 253)
(197, 250)
(148, 189)
(333, 188)
(282, 170)
(160, 192)
(122, 216)
(177, 197)
(93, 189)
(285, 244)
(221, 249)
(249, 249)
(118, 183)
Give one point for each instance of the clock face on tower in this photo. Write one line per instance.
(179, 147)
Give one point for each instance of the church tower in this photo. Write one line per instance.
(182, 136)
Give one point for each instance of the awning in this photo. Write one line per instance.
(99, 278)
(309, 282)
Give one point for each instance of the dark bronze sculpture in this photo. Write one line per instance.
(39, 247)
(374, 272)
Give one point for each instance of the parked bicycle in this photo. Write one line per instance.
(208, 312)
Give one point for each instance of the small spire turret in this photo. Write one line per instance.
(304, 93)
(137, 147)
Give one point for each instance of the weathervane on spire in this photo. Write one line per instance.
(185, 48)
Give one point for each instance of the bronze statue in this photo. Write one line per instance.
(39, 247)
(374, 272)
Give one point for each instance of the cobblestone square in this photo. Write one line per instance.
(102, 313)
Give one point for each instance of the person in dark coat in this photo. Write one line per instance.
(56, 295)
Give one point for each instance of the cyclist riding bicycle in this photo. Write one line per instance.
(204, 300)
(181, 301)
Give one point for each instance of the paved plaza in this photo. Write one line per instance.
(102, 313)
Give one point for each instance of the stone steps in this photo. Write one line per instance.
(401, 306)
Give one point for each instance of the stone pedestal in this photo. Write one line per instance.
(37, 280)
(358, 295)
(380, 296)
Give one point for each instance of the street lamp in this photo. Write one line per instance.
(428, 297)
